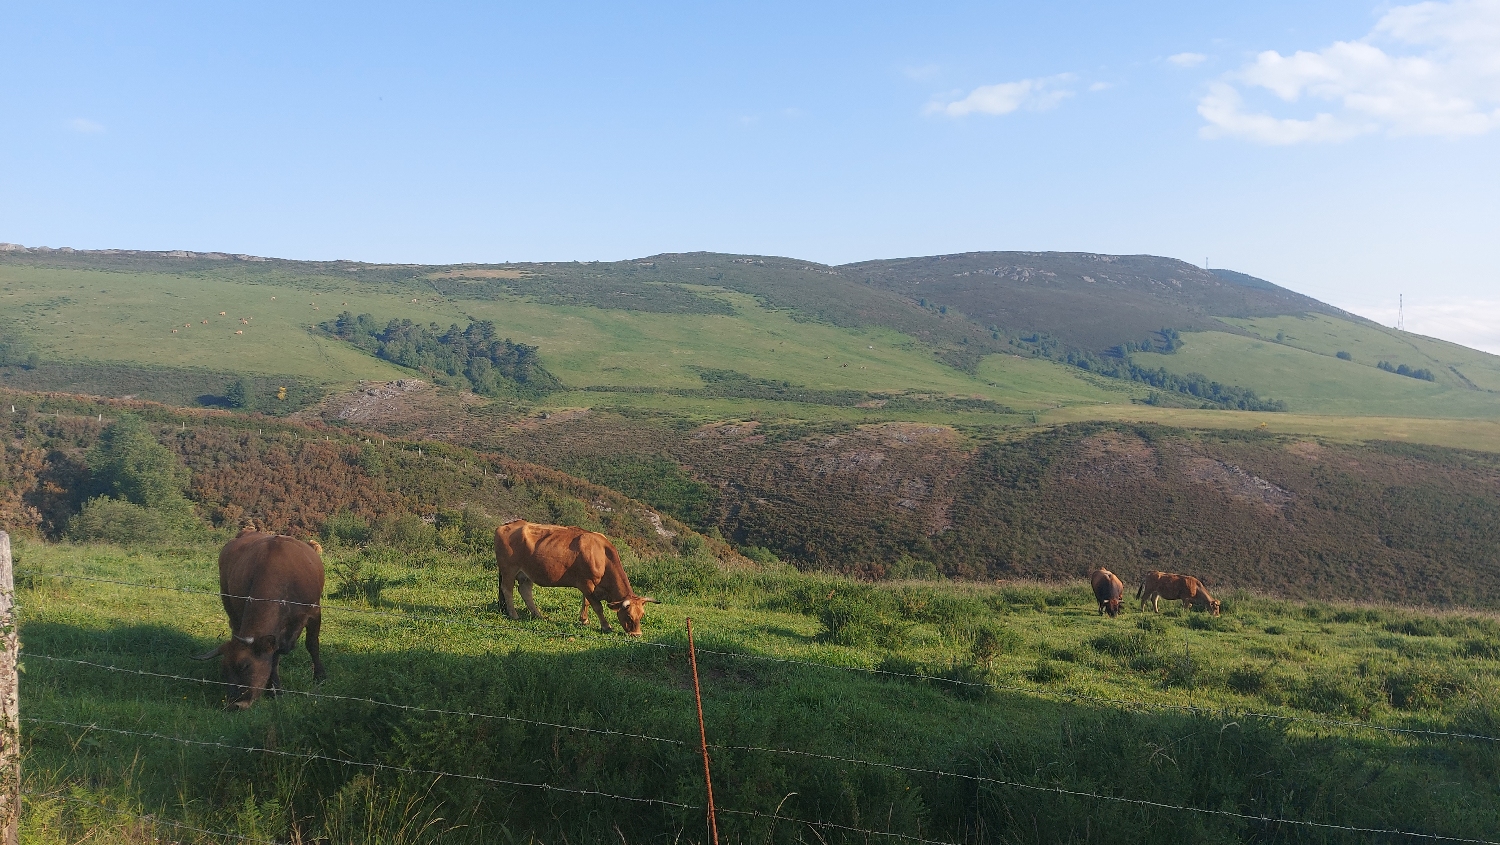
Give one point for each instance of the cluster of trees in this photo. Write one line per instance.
(135, 491)
(1403, 370)
(14, 352)
(474, 356)
(1196, 385)
(1171, 341)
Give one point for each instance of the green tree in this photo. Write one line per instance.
(128, 463)
(241, 394)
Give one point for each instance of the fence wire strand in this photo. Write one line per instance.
(360, 700)
(301, 755)
(1038, 693)
(940, 773)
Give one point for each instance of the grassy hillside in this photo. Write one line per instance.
(947, 325)
(1312, 382)
(1014, 691)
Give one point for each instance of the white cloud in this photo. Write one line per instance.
(1473, 323)
(1187, 59)
(83, 124)
(1032, 94)
(1427, 69)
(1101, 86)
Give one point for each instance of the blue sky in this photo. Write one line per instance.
(1343, 149)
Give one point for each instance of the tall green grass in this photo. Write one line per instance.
(781, 654)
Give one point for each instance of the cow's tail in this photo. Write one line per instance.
(1140, 588)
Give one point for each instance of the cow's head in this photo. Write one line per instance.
(630, 610)
(1213, 606)
(245, 665)
(1112, 607)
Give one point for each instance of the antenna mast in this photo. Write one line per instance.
(1400, 312)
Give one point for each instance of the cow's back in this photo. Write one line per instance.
(269, 568)
(552, 555)
(1177, 587)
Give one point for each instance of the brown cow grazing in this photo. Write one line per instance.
(561, 556)
(272, 587)
(1173, 587)
(1107, 591)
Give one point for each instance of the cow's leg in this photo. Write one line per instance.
(525, 585)
(1156, 602)
(583, 612)
(603, 617)
(273, 684)
(507, 593)
(314, 626)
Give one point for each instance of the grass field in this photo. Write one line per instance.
(1315, 383)
(1369, 345)
(72, 315)
(1043, 702)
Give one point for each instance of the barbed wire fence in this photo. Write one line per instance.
(514, 628)
(814, 824)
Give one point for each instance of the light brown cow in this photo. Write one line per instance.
(272, 589)
(1107, 591)
(1173, 587)
(562, 556)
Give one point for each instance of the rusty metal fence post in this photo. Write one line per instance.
(708, 783)
(10, 716)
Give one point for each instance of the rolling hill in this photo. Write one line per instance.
(987, 415)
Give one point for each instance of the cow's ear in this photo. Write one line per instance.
(264, 644)
(211, 653)
(618, 603)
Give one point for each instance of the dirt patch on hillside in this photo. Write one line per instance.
(477, 273)
(1235, 482)
(1112, 458)
(371, 402)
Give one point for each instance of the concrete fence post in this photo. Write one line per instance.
(10, 711)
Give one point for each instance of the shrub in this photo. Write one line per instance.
(128, 463)
(1482, 649)
(346, 529)
(356, 582)
(1152, 624)
(1344, 356)
(990, 643)
(1126, 644)
(1246, 679)
(1421, 686)
(407, 531)
(1333, 693)
(1046, 672)
(857, 619)
(760, 554)
(109, 520)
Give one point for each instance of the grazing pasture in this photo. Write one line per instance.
(829, 702)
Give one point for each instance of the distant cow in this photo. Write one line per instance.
(560, 556)
(1107, 591)
(272, 587)
(1173, 587)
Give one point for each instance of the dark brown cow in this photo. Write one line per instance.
(1107, 591)
(1173, 587)
(561, 556)
(272, 587)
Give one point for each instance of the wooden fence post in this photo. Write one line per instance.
(10, 715)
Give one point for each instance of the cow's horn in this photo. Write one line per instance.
(647, 600)
(245, 640)
(210, 654)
